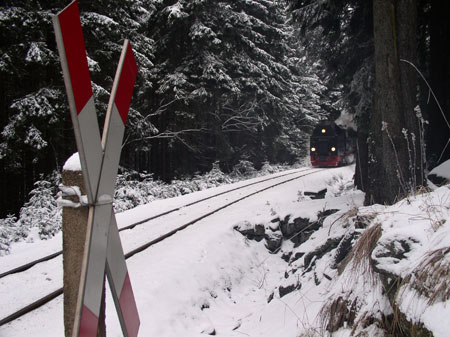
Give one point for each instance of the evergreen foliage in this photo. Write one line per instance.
(32, 102)
(35, 126)
(228, 85)
(339, 35)
(218, 81)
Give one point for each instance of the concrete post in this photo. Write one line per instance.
(74, 237)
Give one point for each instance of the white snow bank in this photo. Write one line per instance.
(413, 231)
(414, 227)
(442, 170)
(209, 279)
(205, 278)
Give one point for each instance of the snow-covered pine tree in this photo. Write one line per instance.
(222, 80)
(106, 24)
(228, 85)
(35, 127)
(338, 34)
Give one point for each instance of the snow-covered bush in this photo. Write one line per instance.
(8, 232)
(337, 186)
(41, 210)
(267, 168)
(134, 189)
(213, 178)
(244, 168)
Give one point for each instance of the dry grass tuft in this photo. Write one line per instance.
(344, 309)
(431, 278)
(311, 332)
(345, 312)
(360, 254)
(339, 312)
(367, 319)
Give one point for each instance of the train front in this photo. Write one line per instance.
(324, 146)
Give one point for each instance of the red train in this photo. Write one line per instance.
(331, 145)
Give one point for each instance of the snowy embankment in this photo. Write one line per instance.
(366, 271)
(283, 264)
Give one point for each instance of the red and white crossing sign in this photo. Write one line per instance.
(99, 162)
(69, 37)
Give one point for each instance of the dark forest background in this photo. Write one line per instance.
(225, 81)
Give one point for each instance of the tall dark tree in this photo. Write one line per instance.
(394, 145)
(397, 153)
(33, 131)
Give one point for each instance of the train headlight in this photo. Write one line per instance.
(324, 130)
(333, 149)
(313, 149)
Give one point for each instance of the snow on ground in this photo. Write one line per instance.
(206, 277)
(211, 280)
(440, 175)
(414, 247)
(419, 230)
(442, 170)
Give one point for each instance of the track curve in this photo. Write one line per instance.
(141, 247)
(31, 264)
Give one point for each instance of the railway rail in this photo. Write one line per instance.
(31, 264)
(297, 174)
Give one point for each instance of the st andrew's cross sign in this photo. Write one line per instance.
(99, 162)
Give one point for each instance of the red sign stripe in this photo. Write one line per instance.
(88, 323)
(129, 309)
(72, 34)
(126, 84)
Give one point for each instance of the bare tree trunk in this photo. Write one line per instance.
(391, 172)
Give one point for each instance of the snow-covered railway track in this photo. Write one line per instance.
(160, 223)
(30, 264)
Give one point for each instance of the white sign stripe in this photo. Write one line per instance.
(92, 152)
(96, 258)
(112, 137)
(116, 265)
(120, 284)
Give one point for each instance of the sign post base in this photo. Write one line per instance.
(74, 237)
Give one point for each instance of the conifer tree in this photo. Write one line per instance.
(228, 85)
(35, 126)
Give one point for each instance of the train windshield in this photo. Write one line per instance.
(326, 130)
